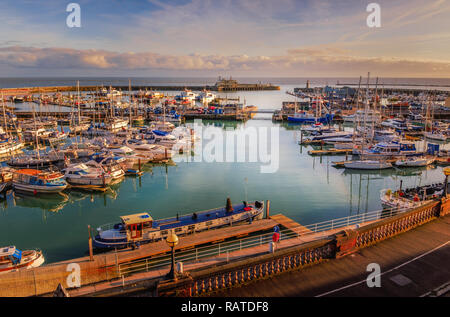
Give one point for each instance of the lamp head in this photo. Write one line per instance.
(172, 239)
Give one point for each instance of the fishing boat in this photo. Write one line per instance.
(36, 181)
(141, 228)
(417, 161)
(12, 259)
(81, 174)
(367, 165)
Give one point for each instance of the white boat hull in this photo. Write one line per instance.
(367, 165)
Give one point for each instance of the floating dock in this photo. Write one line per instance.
(290, 224)
(330, 152)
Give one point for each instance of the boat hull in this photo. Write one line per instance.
(39, 189)
(115, 239)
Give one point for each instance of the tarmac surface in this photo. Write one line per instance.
(412, 264)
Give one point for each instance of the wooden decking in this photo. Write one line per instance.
(290, 224)
(103, 267)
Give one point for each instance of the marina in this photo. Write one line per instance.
(112, 165)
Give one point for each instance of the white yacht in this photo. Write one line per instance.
(158, 152)
(359, 116)
(81, 174)
(367, 165)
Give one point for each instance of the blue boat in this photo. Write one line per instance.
(141, 228)
(304, 117)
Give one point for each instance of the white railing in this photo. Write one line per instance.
(314, 231)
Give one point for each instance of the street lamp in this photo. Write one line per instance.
(172, 241)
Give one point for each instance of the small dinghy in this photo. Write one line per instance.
(12, 259)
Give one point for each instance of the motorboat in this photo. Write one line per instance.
(109, 164)
(158, 152)
(367, 165)
(360, 117)
(305, 117)
(415, 161)
(133, 157)
(13, 259)
(385, 150)
(81, 174)
(435, 135)
(141, 228)
(37, 182)
(411, 197)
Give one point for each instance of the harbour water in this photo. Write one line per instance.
(304, 188)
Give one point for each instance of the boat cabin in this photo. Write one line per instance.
(10, 254)
(37, 177)
(135, 225)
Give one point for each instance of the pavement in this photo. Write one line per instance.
(412, 264)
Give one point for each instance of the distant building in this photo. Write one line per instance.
(223, 84)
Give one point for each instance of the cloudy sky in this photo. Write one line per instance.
(271, 38)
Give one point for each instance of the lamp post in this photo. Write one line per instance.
(172, 241)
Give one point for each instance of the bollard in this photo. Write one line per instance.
(272, 247)
(180, 267)
(91, 253)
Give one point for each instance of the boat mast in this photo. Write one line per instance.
(36, 134)
(365, 113)
(4, 114)
(129, 101)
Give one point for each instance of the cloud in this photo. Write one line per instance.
(311, 61)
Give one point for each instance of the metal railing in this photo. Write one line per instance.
(224, 248)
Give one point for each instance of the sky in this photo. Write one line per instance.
(267, 38)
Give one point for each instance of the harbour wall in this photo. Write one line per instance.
(53, 89)
(206, 282)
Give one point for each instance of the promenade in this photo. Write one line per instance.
(413, 263)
